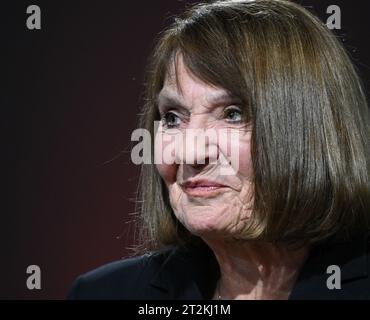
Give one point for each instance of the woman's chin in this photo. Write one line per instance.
(203, 221)
(205, 228)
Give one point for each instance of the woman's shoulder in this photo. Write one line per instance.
(161, 274)
(120, 279)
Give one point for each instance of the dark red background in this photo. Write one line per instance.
(69, 103)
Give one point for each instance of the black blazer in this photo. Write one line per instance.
(191, 273)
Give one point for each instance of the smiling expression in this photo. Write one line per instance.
(206, 201)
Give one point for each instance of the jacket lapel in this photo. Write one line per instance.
(350, 257)
(192, 273)
(187, 274)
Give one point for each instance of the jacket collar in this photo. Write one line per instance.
(192, 273)
(351, 258)
(187, 272)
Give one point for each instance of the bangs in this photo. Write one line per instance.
(211, 56)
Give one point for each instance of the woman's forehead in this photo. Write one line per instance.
(180, 82)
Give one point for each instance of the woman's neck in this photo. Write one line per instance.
(256, 270)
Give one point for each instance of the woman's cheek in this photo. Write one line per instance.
(164, 155)
(242, 161)
(238, 152)
(167, 172)
(245, 161)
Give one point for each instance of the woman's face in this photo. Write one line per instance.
(206, 197)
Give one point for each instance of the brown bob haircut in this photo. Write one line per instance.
(311, 124)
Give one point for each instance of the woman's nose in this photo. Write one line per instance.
(199, 148)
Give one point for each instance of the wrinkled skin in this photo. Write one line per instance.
(249, 269)
(226, 213)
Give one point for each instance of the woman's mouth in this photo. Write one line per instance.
(202, 188)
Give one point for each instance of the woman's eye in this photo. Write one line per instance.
(233, 114)
(171, 119)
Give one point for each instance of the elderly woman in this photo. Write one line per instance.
(291, 222)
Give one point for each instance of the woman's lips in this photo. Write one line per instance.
(205, 191)
(202, 188)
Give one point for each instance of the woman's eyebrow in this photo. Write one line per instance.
(164, 99)
(216, 100)
(223, 98)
